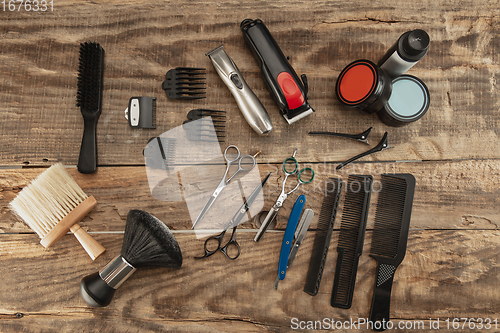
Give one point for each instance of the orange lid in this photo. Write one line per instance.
(356, 82)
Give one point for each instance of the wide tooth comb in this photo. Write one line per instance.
(205, 135)
(390, 235)
(323, 235)
(204, 128)
(351, 238)
(185, 83)
(217, 115)
(219, 127)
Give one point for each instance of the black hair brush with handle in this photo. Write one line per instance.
(88, 98)
(146, 242)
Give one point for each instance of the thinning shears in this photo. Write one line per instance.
(290, 167)
(213, 243)
(231, 155)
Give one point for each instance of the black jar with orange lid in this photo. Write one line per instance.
(364, 85)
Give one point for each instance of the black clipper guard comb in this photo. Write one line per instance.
(289, 91)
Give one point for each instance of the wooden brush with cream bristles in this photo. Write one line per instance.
(52, 204)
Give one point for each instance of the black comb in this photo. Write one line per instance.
(333, 190)
(88, 98)
(204, 130)
(390, 235)
(185, 83)
(217, 115)
(351, 238)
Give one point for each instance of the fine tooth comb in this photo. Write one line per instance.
(390, 235)
(361, 137)
(351, 238)
(382, 145)
(53, 204)
(88, 98)
(185, 83)
(323, 235)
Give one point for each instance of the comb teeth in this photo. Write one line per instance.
(185, 83)
(392, 217)
(90, 72)
(351, 237)
(204, 124)
(204, 128)
(217, 115)
(333, 190)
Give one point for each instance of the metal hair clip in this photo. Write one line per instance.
(382, 145)
(361, 137)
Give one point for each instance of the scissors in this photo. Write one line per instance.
(209, 244)
(302, 179)
(232, 243)
(223, 183)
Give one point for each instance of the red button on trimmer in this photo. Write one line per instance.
(292, 93)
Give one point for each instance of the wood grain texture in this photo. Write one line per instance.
(449, 195)
(452, 263)
(142, 40)
(445, 274)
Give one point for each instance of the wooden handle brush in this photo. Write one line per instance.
(52, 204)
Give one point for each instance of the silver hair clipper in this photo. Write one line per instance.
(250, 106)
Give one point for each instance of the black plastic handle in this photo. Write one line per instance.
(273, 62)
(95, 291)
(381, 301)
(87, 162)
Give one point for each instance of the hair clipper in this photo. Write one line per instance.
(289, 91)
(250, 106)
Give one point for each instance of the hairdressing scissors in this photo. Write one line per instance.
(305, 176)
(209, 246)
(231, 155)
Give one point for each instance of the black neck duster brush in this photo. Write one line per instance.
(88, 98)
(147, 242)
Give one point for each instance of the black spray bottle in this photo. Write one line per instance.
(406, 52)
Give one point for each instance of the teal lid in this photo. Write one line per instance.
(409, 101)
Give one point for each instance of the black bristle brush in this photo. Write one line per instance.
(146, 242)
(88, 98)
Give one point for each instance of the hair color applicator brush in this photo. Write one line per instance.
(52, 204)
(146, 242)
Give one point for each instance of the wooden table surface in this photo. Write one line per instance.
(452, 264)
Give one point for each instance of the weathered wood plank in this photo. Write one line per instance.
(449, 195)
(445, 274)
(39, 60)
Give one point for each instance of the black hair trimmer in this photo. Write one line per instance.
(289, 91)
